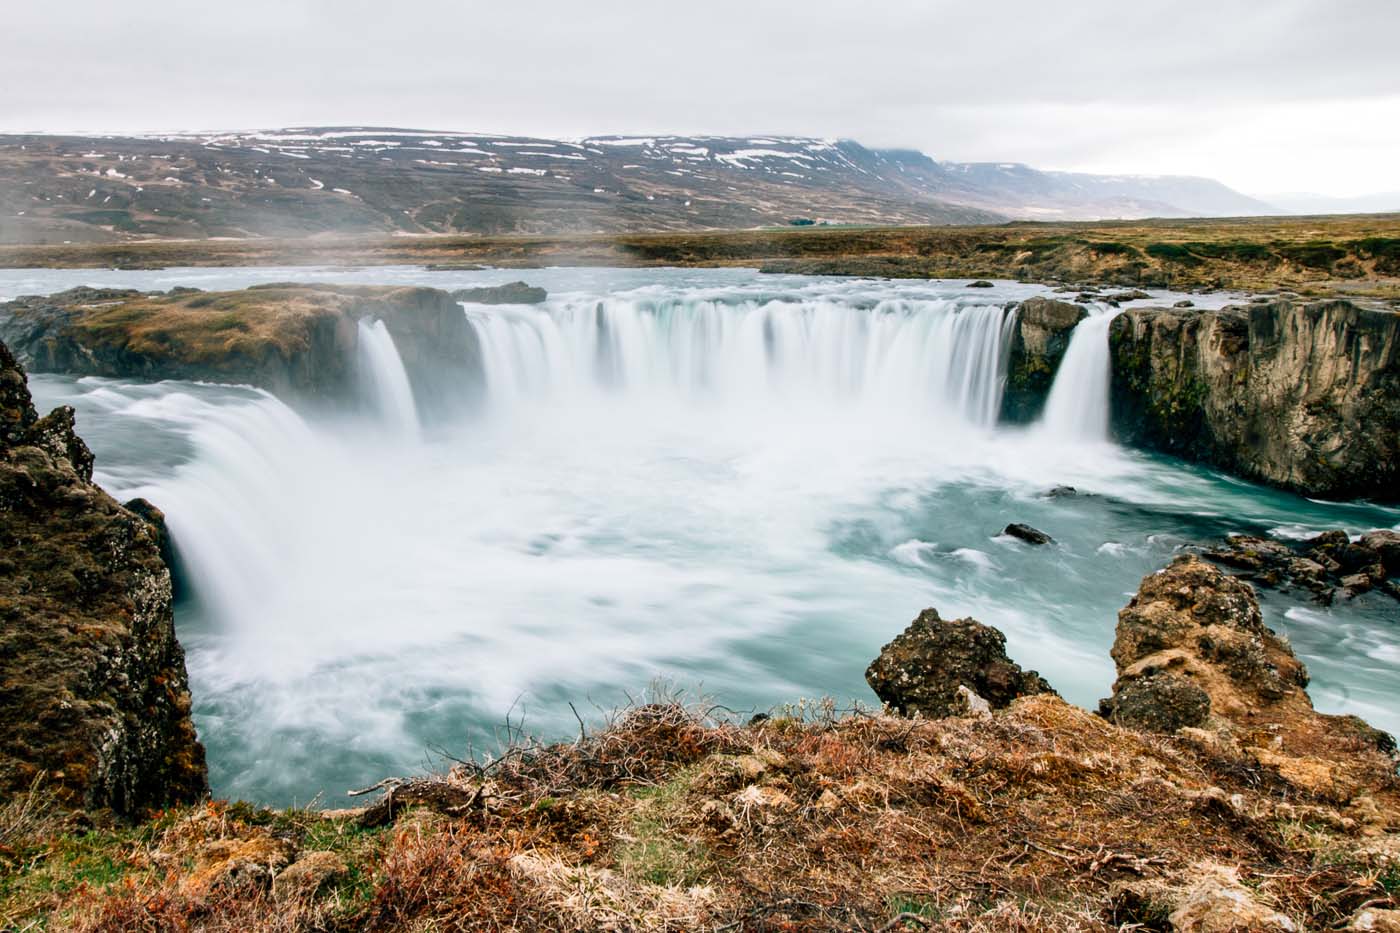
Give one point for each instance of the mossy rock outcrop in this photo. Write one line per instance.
(94, 696)
(1038, 344)
(1304, 396)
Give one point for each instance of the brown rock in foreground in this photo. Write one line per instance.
(921, 670)
(1192, 650)
(93, 689)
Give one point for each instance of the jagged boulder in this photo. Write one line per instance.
(94, 696)
(1038, 344)
(1192, 649)
(1321, 564)
(921, 671)
(1305, 396)
(1202, 627)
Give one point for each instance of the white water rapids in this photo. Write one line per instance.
(746, 484)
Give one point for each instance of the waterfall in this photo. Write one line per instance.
(1077, 408)
(939, 355)
(384, 379)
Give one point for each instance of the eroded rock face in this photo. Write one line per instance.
(921, 671)
(296, 341)
(93, 689)
(1301, 396)
(1192, 649)
(1194, 624)
(1038, 344)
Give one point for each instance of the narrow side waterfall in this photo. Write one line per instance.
(942, 356)
(384, 378)
(1077, 408)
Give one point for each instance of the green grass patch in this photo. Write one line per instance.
(1315, 254)
(654, 852)
(1230, 250)
(1113, 249)
(1172, 252)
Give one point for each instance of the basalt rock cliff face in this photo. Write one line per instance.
(296, 341)
(1038, 344)
(93, 690)
(1301, 396)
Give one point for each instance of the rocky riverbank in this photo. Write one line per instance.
(1207, 796)
(1305, 396)
(94, 699)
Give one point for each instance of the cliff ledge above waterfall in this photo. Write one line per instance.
(297, 341)
(1305, 396)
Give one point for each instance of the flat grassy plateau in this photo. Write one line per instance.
(1355, 255)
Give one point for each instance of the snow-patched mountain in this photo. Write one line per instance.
(304, 181)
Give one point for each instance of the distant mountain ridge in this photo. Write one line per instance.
(363, 180)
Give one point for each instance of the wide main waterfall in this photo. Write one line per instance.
(941, 357)
(741, 484)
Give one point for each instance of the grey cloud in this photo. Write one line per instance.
(955, 79)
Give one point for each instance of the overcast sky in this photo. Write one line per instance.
(1266, 95)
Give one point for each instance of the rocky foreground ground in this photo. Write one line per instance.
(1207, 795)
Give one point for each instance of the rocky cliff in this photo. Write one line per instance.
(296, 341)
(93, 690)
(1038, 344)
(1305, 396)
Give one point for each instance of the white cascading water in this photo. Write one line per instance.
(1077, 408)
(937, 356)
(384, 378)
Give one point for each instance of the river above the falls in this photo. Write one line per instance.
(738, 484)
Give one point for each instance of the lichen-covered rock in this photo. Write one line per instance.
(1158, 703)
(1204, 627)
(1375, 920)
(1301, 396)
(921, 671)
(1193, 642)
(93, 689)
(1038, 344)
(297, 341)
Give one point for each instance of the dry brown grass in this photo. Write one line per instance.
(1042, 817)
